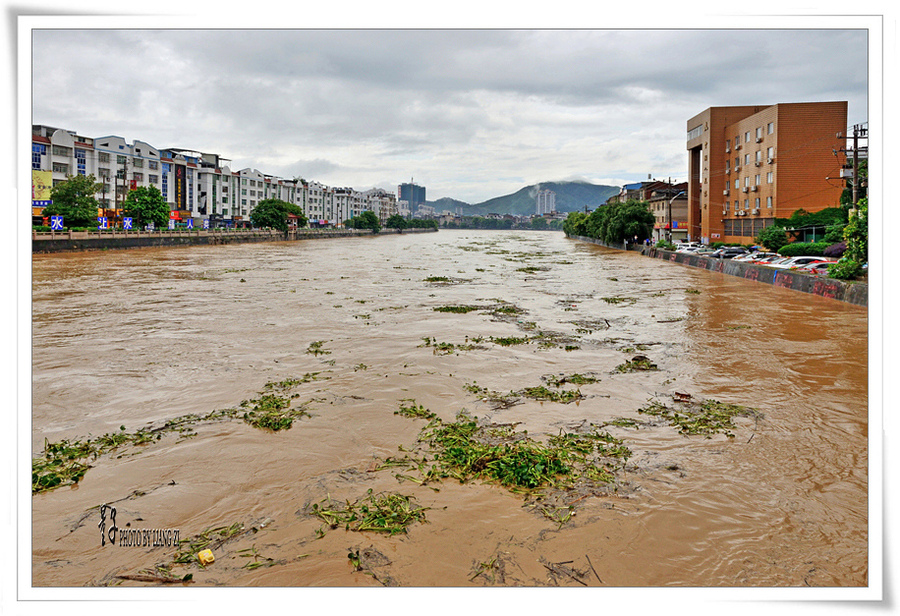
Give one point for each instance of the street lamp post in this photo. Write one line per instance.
(670, 214)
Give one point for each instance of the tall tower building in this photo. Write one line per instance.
(545, 202)
(413, 194)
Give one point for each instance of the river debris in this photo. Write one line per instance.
(65, 462)
(389, 513)
(315, 348)
(414, 410)
(637, 363)
(706, 417)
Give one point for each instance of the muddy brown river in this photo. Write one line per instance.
(133, 339)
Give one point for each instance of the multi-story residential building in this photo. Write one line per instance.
(668, 204)
(749, 165)
(545, 202)
(413, 194)
(382, 202)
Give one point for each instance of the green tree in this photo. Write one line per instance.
(366, 220)
(540, 223)
(396, 221)
(772, 237)
(74, 200)
(856, 234)
(146, 204)
(273, 213)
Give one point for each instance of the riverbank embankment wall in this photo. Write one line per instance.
(851, 292)
(117, 240)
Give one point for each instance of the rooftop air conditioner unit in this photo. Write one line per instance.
(737, 168)
(726, 192)
(754, 188)
(724, 212)
(737, 146)
(727, 150)
(756, 211)
(758, 139)
(745, 189)
(770, 160)
(758, 163)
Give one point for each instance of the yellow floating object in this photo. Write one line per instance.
(206, 557)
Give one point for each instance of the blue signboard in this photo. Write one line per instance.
(126, 222)
(190, 223)
(102, 222)
(171, 224)
(206, 223)
(56, 223)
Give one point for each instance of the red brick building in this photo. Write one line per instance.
(750, 165)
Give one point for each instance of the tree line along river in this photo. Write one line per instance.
(534, 338)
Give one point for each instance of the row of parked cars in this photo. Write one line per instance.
(810, 265)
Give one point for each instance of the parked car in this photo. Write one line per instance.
(763, 257)
(799, 266)
(729, 252)
(790, 262)
(820, 268)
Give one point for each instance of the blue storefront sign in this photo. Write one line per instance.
(56, 223)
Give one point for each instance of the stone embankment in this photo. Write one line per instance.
(851, 292)
(117, 239)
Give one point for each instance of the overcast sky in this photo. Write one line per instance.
(469, 114)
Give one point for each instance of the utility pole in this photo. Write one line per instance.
(858, 133)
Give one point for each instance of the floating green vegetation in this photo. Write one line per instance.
(618, 300)
(414, 410)
(637, 363)
(457, 309)
(563, 396)
(271, 412)
(738, 327)
(209, 539)
(531, 269)
(508, 340)
(447, 348)
(692, 291)
(315, 348)
(496, 399)
(506, 310)
(574, 379)
(467, 450)
(66, 462)
(437, 279)
(389, 513)
(256, 563)
(707, 418)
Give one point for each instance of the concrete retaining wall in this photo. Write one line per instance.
(850, 292)
(89, 240)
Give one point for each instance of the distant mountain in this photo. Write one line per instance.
(570, 197)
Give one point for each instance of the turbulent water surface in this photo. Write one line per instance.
(135, 338)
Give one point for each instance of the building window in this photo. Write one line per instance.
(746, 204)
(756, 180)
(154, 179)
(759, 133)
(770, 177)
(37, 151)
(59, 150)
(747, 181)
(769, 202)
(770, 153)
(137, 162)
(153, 164)
(137, 177)
(747, 137)
(60, 168)
(758, 156)
(771, 127)
(756, 203)
(103, 157)
(747, 158)
(728, 145)
(737, 183)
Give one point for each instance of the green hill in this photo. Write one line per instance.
(570, 197)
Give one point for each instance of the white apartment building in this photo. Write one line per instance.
(196, 185)
(545, 202)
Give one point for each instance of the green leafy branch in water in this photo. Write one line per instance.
(389, 513)
(414, 410)
(707, 418)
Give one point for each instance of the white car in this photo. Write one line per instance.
(794, 262)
